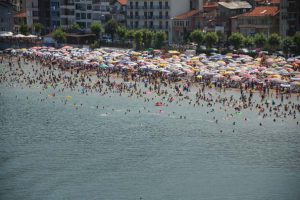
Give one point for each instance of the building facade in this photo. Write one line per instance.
(118, 11)
(38, 12)
(263, 19)
(289, 17)
(67, 13)
(54, 14)
(227, 10)
(6, 16)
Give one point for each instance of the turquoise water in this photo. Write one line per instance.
(49, 150)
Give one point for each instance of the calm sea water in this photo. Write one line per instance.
(49, 150)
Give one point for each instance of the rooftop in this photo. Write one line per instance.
(187, 15)
(123, 2)
(20, 15)
(235, 5)
(262, 11)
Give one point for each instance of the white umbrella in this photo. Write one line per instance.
(19, 36)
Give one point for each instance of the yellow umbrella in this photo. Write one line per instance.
(275, 76)
(174, 52)
(136, 53)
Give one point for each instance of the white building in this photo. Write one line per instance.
(157, 14)
(67, 13)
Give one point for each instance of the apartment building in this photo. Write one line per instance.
(289, 17)
(227, 10)
(54, 14)
(101, 10)
(6, 16)
(118, 11)
(67, 13)
(154, 14)
(38, 12)
(19, 5)
(263, 19)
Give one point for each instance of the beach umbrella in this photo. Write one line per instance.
(236, 78)
(103, 66)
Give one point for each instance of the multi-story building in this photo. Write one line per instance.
(6, 16)
(118, 11)
(67, 13)
(38, 12)
(54, 14)
(229, 9)
(19, 5)
(101, 10)
(289, 17)
(83, 13)
(157, 14)
(154, 14)
(184, 24)
(263, 19)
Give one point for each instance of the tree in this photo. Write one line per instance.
(222, 38)
(211, 38)
(121, 32)
(159, 39)
(248, 42)
(38, 27)
(287, 44)
(236, 39)
(24, 29)
(111, 28)
(197, 36)
(130, 35)
(95, 45)
(75, 27)
(138, 39)
(148, 37)
(97, 29)
(260, 40)
(274, 41)
(59, 35)
(296, 40)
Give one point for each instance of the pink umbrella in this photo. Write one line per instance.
(236, 78)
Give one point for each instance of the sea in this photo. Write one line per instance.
(128, 149)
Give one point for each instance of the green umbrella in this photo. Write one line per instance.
(104, 66)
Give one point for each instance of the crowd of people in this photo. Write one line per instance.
(169, 77)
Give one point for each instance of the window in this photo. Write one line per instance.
(167, 4)
(77, 16)
(83, 16)
(89, 7)
(89, 16)
(145, 4)
(151, 4)
(167, 25)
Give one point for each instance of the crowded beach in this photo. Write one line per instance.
(198, 80)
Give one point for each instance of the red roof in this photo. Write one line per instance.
(186, 15)
(20, 15)
(262, 11)
(123, 2)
